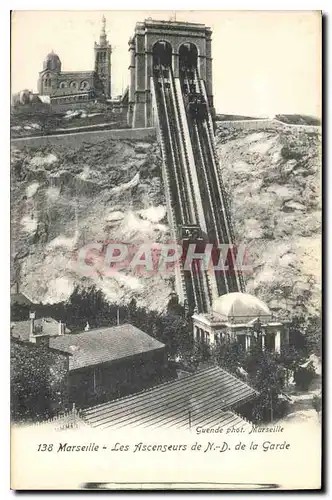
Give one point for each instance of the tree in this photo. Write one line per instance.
(230, 355)
(132, 311)
(19, 312)
(305, 334)
(267, 376)
(173, 306)
(313, 335)
(36, 389)
(303, 376)
(290, 358)
(317, 403)
(198, 353)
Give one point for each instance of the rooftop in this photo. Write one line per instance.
(209, 395)
(44, 326)
(20, 298)
(172, 25)
(238, 307)
(102, 345)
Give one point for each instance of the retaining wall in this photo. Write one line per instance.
(92, 137)
(265, 124)
(95, 136)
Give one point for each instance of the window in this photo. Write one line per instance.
(47, 80)
(62, 85)
(73, 85)
(84, 85)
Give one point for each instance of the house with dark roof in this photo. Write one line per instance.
(109, 362)
(85, 368)
(30, 330)
(208, 398)
(20, 299)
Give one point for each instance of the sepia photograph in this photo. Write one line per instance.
(166, 248)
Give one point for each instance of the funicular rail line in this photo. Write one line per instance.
(221, 230)
(180, 194)
(238, 281)
(217, 231)
(164, 139)
(179, 183)
(195, 277)
(197, 196)
(210, 195)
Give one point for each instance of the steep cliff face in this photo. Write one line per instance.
(273, 180)
(63, 199)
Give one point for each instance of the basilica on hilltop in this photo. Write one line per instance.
(74, 86)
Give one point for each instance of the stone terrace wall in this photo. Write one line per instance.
(75, 139)
(265, 124)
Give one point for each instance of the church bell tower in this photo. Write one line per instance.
(103, 51)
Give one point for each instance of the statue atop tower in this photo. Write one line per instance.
(103, 36)
(103, 51)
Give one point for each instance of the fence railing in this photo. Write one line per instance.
(71, 419)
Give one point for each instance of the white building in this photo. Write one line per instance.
(240, 317)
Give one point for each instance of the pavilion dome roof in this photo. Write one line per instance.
(240, 307)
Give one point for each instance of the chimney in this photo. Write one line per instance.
(32, 317)
(62, 328)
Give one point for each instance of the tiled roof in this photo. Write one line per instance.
(20, 329)
(208, 396)
(20, 298)
(102, 345)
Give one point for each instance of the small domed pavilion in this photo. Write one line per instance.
(240, 317)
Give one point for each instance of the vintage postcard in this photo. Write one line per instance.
(166, 250)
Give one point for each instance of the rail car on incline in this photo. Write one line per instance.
(190, 232)
(195, 102)
(196, 106)
(162, 73)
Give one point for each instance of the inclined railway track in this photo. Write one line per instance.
(195, 193)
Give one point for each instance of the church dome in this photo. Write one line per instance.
(240, 307)
(52, 62)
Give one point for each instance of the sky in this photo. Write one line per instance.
(264, 62)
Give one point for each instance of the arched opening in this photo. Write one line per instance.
(162, 55)
(188, 55)
(84, 85)
(188, 62)
(47, 80)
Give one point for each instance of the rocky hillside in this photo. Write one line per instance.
(63, 199)
(273, 181)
